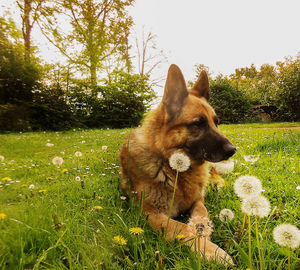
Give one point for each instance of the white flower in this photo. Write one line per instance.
(256, 206)
(179, 162)
(226, 215)
(287, 235)
(32, 186)
(1, 158)
(104, 147)
(298, 187)
(57, 161)
(224, 167)
(49, 144)
(123, 198)
(77, 178)
(78, 154)
(251, 158)
(247, 185)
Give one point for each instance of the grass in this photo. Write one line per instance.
(60, 228)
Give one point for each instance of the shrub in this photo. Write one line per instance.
(230, 104)
(120, 102)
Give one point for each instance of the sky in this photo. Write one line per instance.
(221, 34)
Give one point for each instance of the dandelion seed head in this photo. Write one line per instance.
(247, 186)
(287, 235)
(224, 167)
(1, 158)
(256, 206)
(78, 154)
(77, 178)
(49, 144)
(226, 215)
(251, 158)
(179, 162)
(104, 147)
(32, 186)
(57, 161)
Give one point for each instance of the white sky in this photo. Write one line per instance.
(221, 34)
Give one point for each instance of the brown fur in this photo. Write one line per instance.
(183, 122)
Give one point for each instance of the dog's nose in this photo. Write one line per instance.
(229, 150)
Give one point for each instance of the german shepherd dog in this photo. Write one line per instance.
(183, 122)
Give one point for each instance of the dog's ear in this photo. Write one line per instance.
(201, 87)
(175, 92)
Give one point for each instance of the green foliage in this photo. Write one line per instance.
(121, 101)
(288, 96)
(230, 104)
(17, 79)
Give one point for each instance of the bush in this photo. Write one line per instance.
(120, 102)
(51, 111)
(14, 117)
(230, 104)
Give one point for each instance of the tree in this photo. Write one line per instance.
(288, 94)
(99, 30)
(30, 13)
(149, 57)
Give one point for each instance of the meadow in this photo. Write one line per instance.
(67, 217)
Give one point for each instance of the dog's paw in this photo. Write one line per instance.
(211, 251)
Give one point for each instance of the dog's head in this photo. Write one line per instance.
(188, 123)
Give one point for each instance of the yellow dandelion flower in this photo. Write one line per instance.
(42, 191)
(85, 176)
(83, 199)
(100, 198)
(3, 216)
(64, 170)
(5, 179)
(120, 240)
(49, 178)
(24, 185)
(180, 236)
(136, 230)
(98, 207)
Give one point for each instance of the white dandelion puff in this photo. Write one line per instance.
(104, 147)
(78, 154)
(32, 186)
(287, 235)
(49, 144)
(246, 186)
(57, 161)
(179, 162)
(226, 215)
(251, 158)
(77, 178)
(224, 167)
(1, 158)
(256, 206)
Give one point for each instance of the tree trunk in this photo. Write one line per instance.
(26, 29)
(93, 72)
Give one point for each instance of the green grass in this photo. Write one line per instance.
(61, 229)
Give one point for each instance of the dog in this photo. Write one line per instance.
(184, 122)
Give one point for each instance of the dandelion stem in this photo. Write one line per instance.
(249, 242)
(289, 259)
(258, 245)
(172, 202)
(199, 254)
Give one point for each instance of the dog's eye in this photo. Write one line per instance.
(201, 121)
(217, 121)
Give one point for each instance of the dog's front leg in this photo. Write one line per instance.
(201, 222)
(159, 221)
